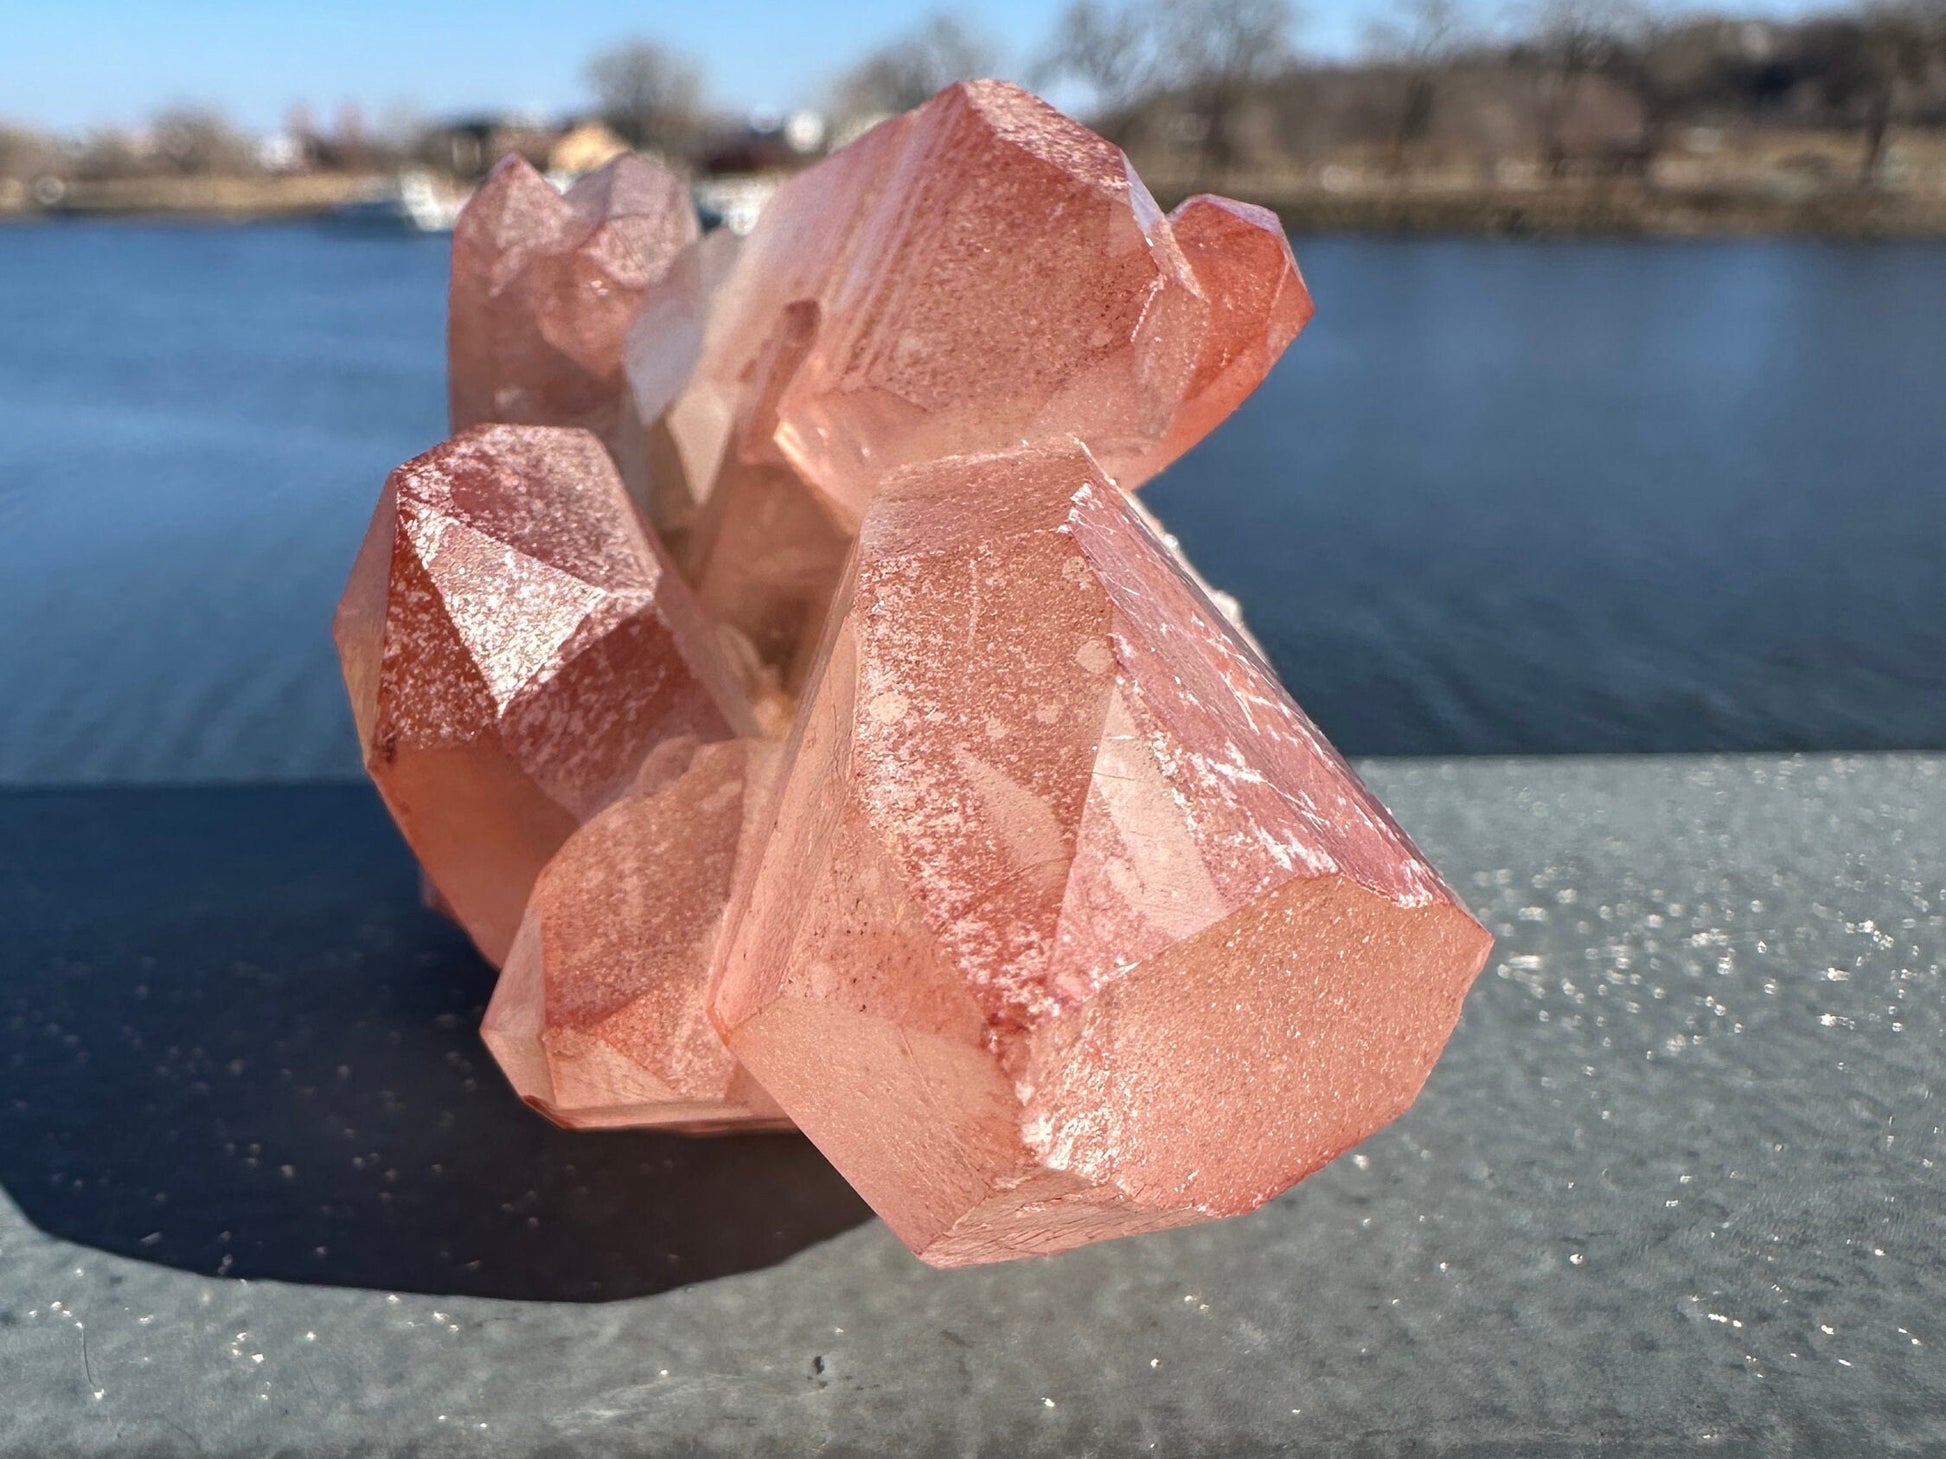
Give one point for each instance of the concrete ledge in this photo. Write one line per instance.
(1676, 1185)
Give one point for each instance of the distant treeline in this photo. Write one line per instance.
(1553, 89)
(1573, 86)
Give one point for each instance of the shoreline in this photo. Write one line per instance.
(1620, 210)
(200, 199)
(1847, 218)
(1575, 209)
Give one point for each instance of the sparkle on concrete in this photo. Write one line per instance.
(1677, 1184)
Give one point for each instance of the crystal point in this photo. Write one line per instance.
(514, 646)
(672, 439)
(544, 287)
(767, 550)
(598, 1016)
(1062, 876)
(983, 271)
(1257, 303)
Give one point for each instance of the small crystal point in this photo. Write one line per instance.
(544, 287)
(598, 1016)
(767, 550)
(1257, 301)
(514, 646)
(1062, 876)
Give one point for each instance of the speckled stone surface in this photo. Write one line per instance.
(1676, 1185)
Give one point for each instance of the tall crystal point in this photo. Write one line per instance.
(1070, 924)
(977, 273)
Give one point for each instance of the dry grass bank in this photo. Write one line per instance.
(299, 195)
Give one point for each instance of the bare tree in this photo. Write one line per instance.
(1216, 52)
(1220, 49)
(1212, 54)
(1566, 41)
(199, 139)
(26, 154)
(1422, 41)
(1112, 52)
(902, 74)
(1899, 42)
(649, 94)
(1235, 40)
(111, 152)
(1639, 45)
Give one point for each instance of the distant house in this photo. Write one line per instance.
(285, 151)
(583, 147)
(470, 146)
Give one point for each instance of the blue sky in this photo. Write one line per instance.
(77, 65)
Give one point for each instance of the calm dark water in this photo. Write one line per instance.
(1500, 497)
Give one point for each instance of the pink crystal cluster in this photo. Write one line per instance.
(776, 679)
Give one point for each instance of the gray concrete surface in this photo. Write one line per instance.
(1676, 1186)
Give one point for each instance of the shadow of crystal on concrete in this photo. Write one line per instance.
(232, 1043)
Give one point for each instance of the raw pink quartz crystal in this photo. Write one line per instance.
(598, 1016)
(1070, 925)
(977, 273)
(855, 751)
(545, 287)
(514, 644)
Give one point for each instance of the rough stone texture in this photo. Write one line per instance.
(1070, 924)
(598, 1016)
(514, 645)
(1674, 1188)
(544, 288)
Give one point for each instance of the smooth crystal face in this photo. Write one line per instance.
(976, 274)
(514, 646)
(598, 1017)
(545, 286)
(766, 550)
(1069, 924)
(669, 455)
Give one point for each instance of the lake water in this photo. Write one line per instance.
(1500, 497)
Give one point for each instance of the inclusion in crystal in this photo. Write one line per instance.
(514, 646)
(1068, 923)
